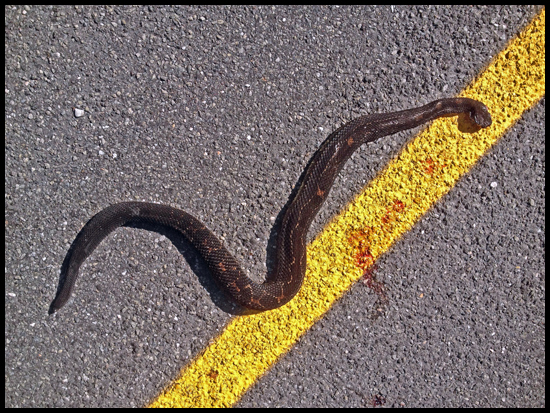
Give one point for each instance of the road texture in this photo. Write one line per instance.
(216, 111)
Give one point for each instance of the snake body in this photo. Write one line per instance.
(282, 284)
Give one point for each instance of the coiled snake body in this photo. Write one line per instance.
(290, 262)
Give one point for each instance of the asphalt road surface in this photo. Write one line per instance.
(216, 111)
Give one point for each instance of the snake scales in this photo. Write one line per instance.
(290, 262)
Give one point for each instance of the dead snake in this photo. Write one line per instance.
(290, 259)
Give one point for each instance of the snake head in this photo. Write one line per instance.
(480, 115)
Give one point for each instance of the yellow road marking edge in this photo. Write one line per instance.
(425, 171)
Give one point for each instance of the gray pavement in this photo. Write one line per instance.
(217, 111)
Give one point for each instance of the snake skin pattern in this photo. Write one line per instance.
(290, 262)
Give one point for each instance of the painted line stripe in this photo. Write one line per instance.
(425, 171)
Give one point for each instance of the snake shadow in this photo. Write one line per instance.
(189, 253)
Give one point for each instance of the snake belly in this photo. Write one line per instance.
(287, 276)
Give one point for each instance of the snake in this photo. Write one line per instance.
(285, 279)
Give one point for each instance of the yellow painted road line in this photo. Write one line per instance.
(425, 171)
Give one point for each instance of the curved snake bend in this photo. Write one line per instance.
(290, 262)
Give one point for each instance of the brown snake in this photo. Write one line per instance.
(290, 262)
